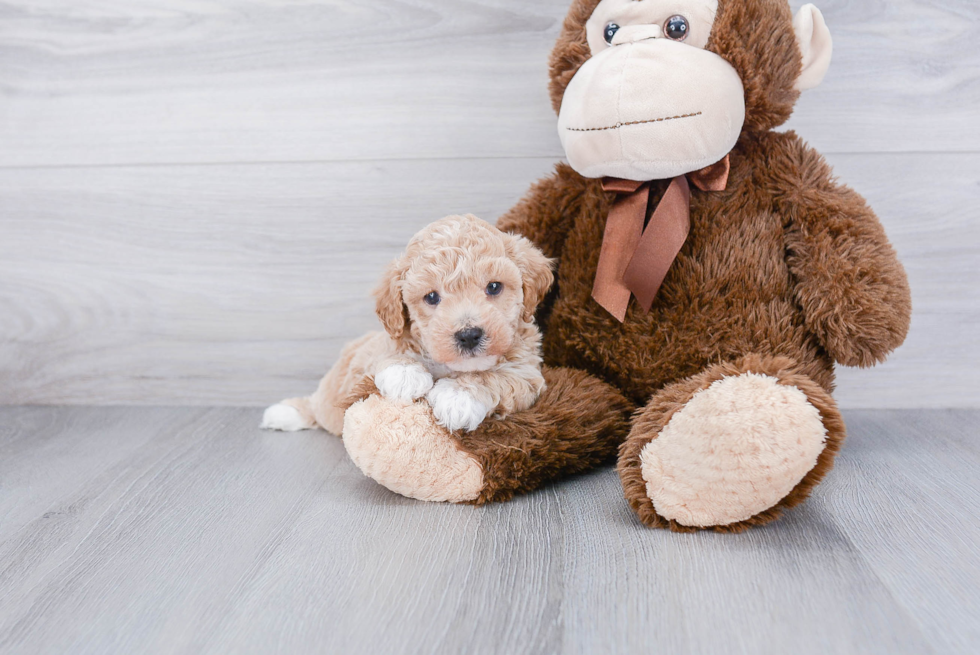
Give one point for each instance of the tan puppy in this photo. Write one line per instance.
(458, 312)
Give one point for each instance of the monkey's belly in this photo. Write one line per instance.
(672, 342)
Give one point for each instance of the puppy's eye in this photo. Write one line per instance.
(494, 288)
(610, 32)
(432, 298)
(676, 28)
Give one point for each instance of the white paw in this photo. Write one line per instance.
(455, 408)
(283, 417)
(403, 382)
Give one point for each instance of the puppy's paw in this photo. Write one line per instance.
(403, 382)
(285, 418)
(455, 408)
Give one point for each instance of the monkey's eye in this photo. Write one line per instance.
(610, 32)
(494, 288)
(676, 28)
(432, 298)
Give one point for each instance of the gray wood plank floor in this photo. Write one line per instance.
(187, 530)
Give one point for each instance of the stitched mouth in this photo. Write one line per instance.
(619, 125)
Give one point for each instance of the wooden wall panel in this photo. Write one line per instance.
(196, 196)
(158, 81)
(239, 284)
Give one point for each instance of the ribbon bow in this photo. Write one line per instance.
(636, 260)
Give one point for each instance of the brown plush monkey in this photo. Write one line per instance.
(710, 272)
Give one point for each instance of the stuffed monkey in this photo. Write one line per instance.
(710, 273)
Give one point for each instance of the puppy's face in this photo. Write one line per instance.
(464, 291)
(466, 308)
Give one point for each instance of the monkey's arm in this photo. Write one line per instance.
(849, 282)
(546, 213)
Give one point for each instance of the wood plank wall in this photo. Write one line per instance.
(197, 195)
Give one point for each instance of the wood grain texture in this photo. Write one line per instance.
(196, 196)
(238, 285)
(906, 495)
(187, 530)
(192, 81)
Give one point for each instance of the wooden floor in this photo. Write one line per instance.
(188, 530)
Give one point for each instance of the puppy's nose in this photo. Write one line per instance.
(469, 338)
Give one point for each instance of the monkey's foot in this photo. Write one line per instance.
(729, 448)
(403, 448)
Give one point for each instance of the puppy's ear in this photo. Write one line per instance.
(390, 307)
(536, 275)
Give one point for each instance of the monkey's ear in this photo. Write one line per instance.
(390, 307)
(535, 268)
(816, 46)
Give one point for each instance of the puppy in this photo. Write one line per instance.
(458, 312)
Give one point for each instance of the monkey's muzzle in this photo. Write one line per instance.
(650, 108)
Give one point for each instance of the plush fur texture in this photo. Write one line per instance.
(650, 421)
(786, 271)
(784, 274)
(735, 449)
(404, 449)
(577, 424)
(750, 279)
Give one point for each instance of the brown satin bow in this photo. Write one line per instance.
(636, 260)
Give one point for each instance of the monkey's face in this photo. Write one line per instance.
(653, 89)
(651, 102)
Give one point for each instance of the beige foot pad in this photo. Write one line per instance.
(402, 448)
(736, 449)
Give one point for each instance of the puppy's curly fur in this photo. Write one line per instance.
(429, 297)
